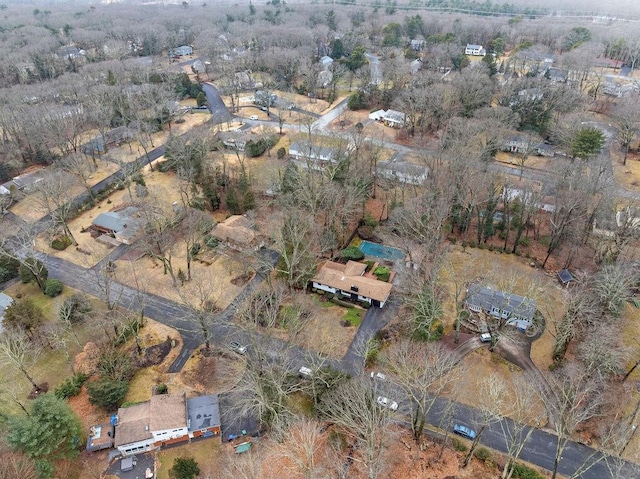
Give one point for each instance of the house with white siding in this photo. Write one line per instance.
(165, 419)
(517, 310)
(349, 281)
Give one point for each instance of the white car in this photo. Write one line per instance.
(305, 372)
(237, 347)
(379, 376)
(253, 117)
(386, 402)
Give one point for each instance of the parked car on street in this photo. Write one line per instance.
(253, 117)
(386, 402)
(237, 347)
(464, 431)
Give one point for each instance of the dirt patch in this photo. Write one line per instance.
(211, 374)
(151, 356)
(242, 279)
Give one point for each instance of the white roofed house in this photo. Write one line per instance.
(394, 118)
(475, 50)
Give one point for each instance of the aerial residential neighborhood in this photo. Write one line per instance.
(291, 240)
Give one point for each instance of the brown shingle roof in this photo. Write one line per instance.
(341, 276)
(168, 411)
(236, 229)
(133, 422)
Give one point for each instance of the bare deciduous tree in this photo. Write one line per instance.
(19, 353)
(572, 397)
(352, 407)
(423, 371)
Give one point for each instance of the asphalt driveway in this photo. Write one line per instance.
(142, 461)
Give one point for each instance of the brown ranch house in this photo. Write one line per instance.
(348, 280)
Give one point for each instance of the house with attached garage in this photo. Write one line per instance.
(165, 419)
(125, 226)
(517, 310)
(349, 280)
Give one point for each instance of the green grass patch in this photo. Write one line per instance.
(353, 316)
(356, 241)
(206, 453)
(301, 403)
(53, 366)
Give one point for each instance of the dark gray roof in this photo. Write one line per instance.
(514, 305)
(110, 220)
(203, 412)
(565, 276)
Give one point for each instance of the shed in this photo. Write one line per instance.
(243, 447)
(565, 277)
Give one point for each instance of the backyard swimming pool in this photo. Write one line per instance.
(381, 251)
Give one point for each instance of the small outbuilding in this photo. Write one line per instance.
(565, 277)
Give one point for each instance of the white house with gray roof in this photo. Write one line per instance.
(517, 310)
(314, 157)
(402, 171)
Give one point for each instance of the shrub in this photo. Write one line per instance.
(353, 317)
(480, 245)
(453, 239)
(523, 472)
(382, 273)
(281, 153)
(257, 148)
(369, 264)
(53, 287)
(6, 274)
(107, 393)
(71, 386)
(464, 243)
(61, 243)
(8, 268)
(483, 454)
(491, 247)
(458, 445)
(472, 244)
(162, 388)
(352, 253)
(184, 468)
(526, 241)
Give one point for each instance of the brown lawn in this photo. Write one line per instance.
(627, 176)
(510, 273)
(28, 208)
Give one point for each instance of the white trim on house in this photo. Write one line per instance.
(475, 50)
